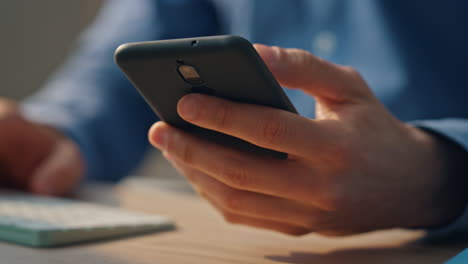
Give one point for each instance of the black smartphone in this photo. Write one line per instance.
(225, 66)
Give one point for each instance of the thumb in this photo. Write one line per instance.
(60, 172)
(295, 68)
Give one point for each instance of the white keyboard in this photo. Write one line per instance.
(45, 221)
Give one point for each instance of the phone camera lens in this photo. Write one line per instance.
(194, 43)
(190, 74)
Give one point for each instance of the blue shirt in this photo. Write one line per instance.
(412, 54)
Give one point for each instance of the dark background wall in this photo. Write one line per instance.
(35, 36)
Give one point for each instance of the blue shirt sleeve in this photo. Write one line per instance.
(91, 101)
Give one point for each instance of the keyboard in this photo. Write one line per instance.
(47, 222)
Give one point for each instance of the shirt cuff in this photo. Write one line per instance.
(455, 130)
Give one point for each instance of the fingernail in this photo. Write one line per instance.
(188, 107)
(159, 137)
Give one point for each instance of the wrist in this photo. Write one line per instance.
(444, 171)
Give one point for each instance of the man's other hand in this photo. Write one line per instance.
(352, 169)
(35, 158)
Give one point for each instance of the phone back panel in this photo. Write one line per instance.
(229, 66)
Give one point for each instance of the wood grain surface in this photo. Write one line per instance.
(202, 236)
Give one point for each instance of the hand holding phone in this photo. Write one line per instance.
(223, 66)
(353, 168)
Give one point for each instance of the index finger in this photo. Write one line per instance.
(263, 126)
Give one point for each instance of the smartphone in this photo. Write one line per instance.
(224, 66)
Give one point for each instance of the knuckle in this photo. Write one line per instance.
(236, 176)
(231, 201)
(273, 131)
(222, 116)
(299, 57)
(281, 53)
(311, 61)
(361, 88)
(182, 150)
(230, 217)
(186, 154)
(353, 74)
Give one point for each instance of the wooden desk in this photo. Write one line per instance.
(203, 237)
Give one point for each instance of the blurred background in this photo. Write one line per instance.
(36, 36)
